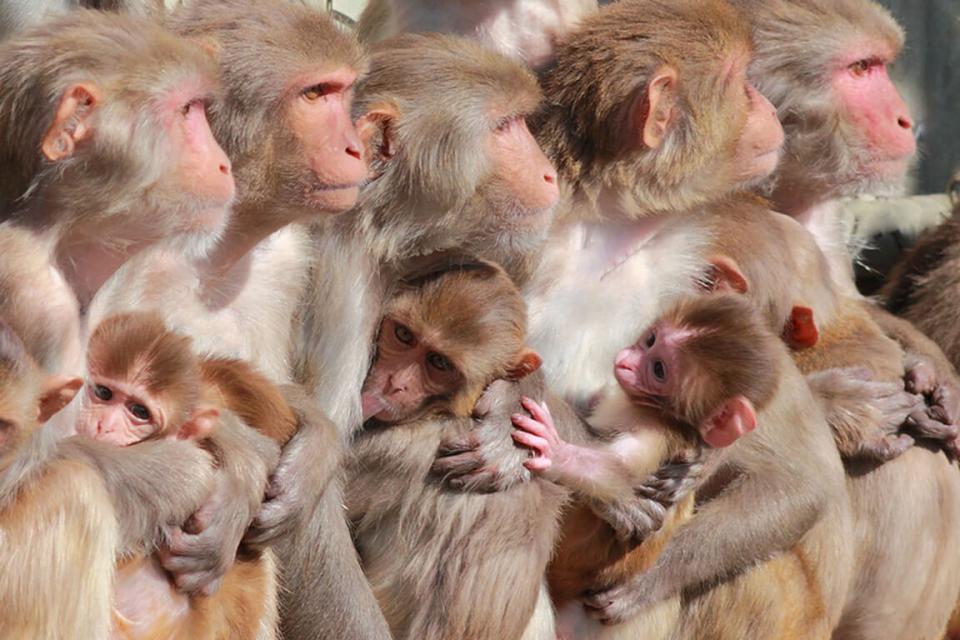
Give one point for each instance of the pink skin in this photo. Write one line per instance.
(758, 150)
(538, 433)
(636, 367)
(405, 375)
(520, 165)
(112, 421)
(204, 167)
(879, 113)
(319, 115)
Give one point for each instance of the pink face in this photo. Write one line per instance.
(203, 170)
(319, 116)
(521, 167)
(881, 118)
(649, 370)
(406, 375)
(118, 413)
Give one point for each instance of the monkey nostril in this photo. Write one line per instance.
(224, 169)
(353, 151)
(550, 178)
(904, 123)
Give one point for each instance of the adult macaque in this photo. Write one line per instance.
(144, 382)
(284, 120)
(524, 29)
(897, 491)
(444, 565)
(824, 65)
(629, 155)
(61, 531)
(703, 376)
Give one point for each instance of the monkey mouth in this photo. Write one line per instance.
(372, 405)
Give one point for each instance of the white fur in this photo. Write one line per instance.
(593, 294)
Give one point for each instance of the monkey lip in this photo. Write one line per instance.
(372, 404)
(627, 377)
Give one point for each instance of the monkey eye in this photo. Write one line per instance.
(659, 370)
(139, 411)
(861, 67)
(317, 91)
(438, 362)
(651, 339)
(403, 334)
(102, 393)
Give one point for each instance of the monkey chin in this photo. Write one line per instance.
(334, 199)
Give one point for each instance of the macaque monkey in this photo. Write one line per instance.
(453, 165)
(705, 375)
(61, 531)
(897, 491)
(523, 29)
(144, 382)
(444, 565)
(284, 120)
(823, 64)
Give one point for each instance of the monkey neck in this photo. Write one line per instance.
(251, 224)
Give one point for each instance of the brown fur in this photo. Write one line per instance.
(921, 288)
(745, 599)
(139, 349)
(797, 44)
(910, 497)
(444, 565)
(585, 125)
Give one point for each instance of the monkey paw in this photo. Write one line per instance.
(885, 447)
(621, 602)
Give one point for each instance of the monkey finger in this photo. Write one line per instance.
(531, 425)
(922, 425)
(457, 465)
(537, 444)
(946, 400)
(453, 447)
(538, 464)
(920, 377)
(485, 480)
(886, 448)
(536, 410)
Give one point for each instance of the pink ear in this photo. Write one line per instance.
(735, 419)
(656, 111)
(528, 362)
(200, 425)
(801, 330)
(724, 276)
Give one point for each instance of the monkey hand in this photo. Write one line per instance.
(634, 520)
(200, 552)
(539, 435)
(479, 456)
(617, 603)
(937, 419)
(307, 464)
(865, 415)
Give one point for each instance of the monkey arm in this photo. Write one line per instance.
(153, 484)
(307, 465)
(202, 550)
(754, 518)
(928, 373)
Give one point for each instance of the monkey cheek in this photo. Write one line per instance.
(334, 200)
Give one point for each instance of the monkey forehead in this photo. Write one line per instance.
(471, 78)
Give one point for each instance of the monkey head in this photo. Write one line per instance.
(27, 396)
(446, 336)
(111, 115)
(444, 120)
(709, 362)
(649, 104)
(823, 64)
(144, 381)
(288, 74)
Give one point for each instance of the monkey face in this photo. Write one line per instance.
(118, 413)
(648, 371)
(408, 376)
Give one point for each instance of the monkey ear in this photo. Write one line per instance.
(200, 425)
(56, 393)
(660, 110)
(71, 122)
(377, 131)
(528, 362)
(724, 276)
(735, 419)
(801, 329)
